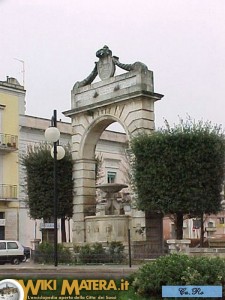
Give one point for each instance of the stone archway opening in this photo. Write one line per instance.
(104, 218)
(93, 134)
(117, 127)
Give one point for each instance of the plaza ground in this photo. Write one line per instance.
(80, 271)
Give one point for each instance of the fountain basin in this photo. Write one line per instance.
(107, 228)
(111, 187)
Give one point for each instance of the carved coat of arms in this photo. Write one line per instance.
(105, 65)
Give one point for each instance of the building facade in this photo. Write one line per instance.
(12, 104)
(32, 133)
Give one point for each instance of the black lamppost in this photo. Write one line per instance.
(52, 134)
(223, 209)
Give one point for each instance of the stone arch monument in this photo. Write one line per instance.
(128, 99)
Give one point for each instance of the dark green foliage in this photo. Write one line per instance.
(85, 253)
(96, 253)
(178, 269)
(45, 254)
(40, 183)
(91, 253)
(116, 252)
(180, 169)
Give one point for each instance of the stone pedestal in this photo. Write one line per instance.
(35, 243)
(178, 246)
(108, 228)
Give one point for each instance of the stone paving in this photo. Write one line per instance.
(30, 268)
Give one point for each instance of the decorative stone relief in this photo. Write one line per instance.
(106, 66)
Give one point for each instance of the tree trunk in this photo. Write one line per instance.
(202, 231)
(179, 224)
(154, 233)
(63, 229)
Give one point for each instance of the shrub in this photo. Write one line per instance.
(205, 271)
(64, 254)
(96, 253)
(116, 252)
(91, 253)
(45, 253)
(178, 269)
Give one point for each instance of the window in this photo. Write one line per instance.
(111, 177)
(2, 232)
(12, 245)
(210, 224)
(196, 224)
(2, 245)
(221, 220)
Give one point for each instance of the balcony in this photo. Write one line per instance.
(8, 192)
(211, 229)
(8, 142)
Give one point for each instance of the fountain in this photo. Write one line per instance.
(111, 221)
(111, 202)
(111, 188)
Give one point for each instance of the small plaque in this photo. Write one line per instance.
(191, 291)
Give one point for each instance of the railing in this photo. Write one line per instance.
(8, 191)
(8, 141)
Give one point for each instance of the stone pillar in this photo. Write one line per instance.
(84, 196)
(35, 243)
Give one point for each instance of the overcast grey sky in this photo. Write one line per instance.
(181, 41)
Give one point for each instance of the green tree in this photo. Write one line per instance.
(180, 170)
(40, 185)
